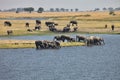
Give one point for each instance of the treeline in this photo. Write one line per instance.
(26, 9)
(41, 9)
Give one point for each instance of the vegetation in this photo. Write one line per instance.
(30, 44)
(40, 10)
(88, 22)
(112, 13)
(29, 9)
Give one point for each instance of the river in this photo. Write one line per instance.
(67, 63)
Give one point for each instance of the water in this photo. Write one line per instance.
(67, 63)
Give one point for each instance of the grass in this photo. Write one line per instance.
(92, 22)
(10, 44)
(69, 44)
(15, 46)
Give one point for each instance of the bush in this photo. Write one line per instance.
(112, 13)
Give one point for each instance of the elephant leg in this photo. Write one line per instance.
(72, 24)
(103, 42)
(37, 47)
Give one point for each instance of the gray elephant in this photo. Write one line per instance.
(7, 23)
(58, 38)
(80, 38)
(66, 29)
(54, 45)
(93, 40)
(47, 44)
(100, 40)
(67, 38)
(27, 24)
(9, 32)
(38, 22)
(39, 44)
(64, 38)
(73, 23)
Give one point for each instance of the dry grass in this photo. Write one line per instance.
(31, 44)
(17, 44)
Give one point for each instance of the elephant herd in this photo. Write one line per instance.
(55, 44)
(88, 40)
(47, 44)
(50, 25)
(64, 38)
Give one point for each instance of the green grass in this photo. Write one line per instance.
(12, 46)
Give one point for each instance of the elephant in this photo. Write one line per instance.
(58, 38)
(89, 41)
(9, 32)
(38, 22)
(39, 44)
(7, 23)
(100, 40)
(37, 27)
(54, 45)
(73, 23)
(57, 44)
(47, 44)
(49, 23)
(68, 38)
(63, 38)
(93, 40)
(29, 30)
(53, 29)
(75, 29)
(80, 38)
(66, 29)
(27, 24)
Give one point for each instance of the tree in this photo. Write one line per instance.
(62, 9)
(96, 9)
(71, 10)
(51, 9)
(76, 10)
(110, 9)
(29, 9)
(112, 13)
(117, 8)
(40, 10)
(57, 10)
(67, 10)
(104, 9)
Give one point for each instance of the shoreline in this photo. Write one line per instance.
(18, 44)
(42, 33)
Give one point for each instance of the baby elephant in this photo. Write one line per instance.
(9, 32)
(7, 23)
